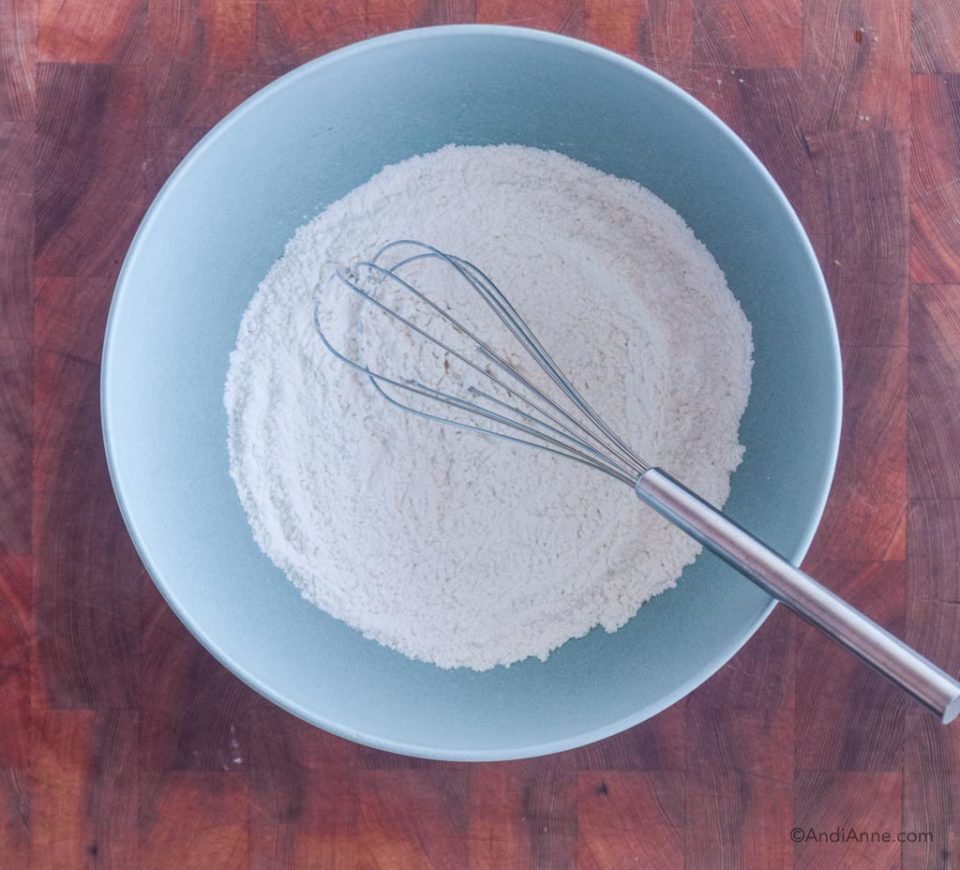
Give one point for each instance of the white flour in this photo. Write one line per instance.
(455, 548)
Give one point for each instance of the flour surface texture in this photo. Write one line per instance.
(448, 546)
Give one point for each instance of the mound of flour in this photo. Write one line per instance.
(451, 547)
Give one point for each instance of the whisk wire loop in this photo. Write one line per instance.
(521, 331)
(379, 379)
(530, 411)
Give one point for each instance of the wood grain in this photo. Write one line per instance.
(736, 819)
(666, 34)
(292, 33)
(931, 765)
(865, 518)
(497, 834)
(16, 632)
(614, 25)
(195, 715)
(763, 106)
(304, 794)
(935, 28)
(546, 801)
(196, 95)
(389, 835)
(194, 819)
(631, 819)
(934, 421)
(124, 744)
(932, 753)
(16, 435)
(16, 719)
(558, 17)
(219, 33)
(84, 769)
(15, 815)
(740, 726)
(934, 547)
(863, 803)
(16, 330)
(18, 59)
(935, 180)
(87, 574)
(856, 65)
(525, 814)
(767, 33)
(854, 205)
(88, 199)
(74, 31)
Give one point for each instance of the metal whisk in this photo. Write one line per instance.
(510, 387)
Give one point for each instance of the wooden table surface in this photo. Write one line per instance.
(122, 742)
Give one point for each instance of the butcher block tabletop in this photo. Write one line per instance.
(124, 744)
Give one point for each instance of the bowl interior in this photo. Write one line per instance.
(224, 217)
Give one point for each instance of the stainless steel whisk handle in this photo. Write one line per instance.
(919, 677)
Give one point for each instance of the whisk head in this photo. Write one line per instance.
(490, 375)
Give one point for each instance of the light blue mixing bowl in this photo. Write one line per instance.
(223, 218)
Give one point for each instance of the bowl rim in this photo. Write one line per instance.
(123, 288)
